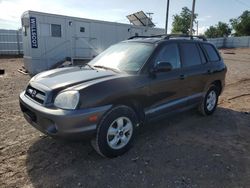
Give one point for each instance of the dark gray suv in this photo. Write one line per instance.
(130, 83)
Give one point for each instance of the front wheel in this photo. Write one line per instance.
(209, 103)
(115, 132)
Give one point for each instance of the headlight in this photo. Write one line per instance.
(67, 100)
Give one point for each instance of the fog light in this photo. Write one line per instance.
(52, 129)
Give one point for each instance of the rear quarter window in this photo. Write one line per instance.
(211, 52)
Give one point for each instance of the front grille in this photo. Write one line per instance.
(35, 94)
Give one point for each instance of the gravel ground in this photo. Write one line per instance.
(186, 150)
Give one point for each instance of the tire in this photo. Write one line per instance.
(209, 103)
(115, 132)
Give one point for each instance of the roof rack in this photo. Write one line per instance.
(168, 36)
(185, 36)
(137, 36)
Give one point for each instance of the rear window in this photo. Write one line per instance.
(190, 54)
(211, 52)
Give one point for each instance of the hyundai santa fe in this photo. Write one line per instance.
(130, 83)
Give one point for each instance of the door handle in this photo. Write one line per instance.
(209, 71)
(182, 76)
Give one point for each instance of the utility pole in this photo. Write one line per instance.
(192, 19)
(197, 27)
(149, 17)
(166, 26)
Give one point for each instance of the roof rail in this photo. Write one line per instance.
(185, 36)
(137, 36)
(168, 36)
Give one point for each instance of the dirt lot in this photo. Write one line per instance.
(186, 150)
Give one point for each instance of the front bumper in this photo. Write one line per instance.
(59, 123)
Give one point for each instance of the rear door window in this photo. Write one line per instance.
(190, 54)
(211, 52)
(202, 55)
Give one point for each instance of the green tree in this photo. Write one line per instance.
(211, 32)
(181, 22)
(219, 30)
(241, 25)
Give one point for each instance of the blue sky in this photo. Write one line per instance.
(209, 11)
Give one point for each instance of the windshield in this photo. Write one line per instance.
(128, 57)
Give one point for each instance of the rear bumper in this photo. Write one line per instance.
(58, 123)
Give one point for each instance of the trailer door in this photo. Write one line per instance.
(82, 40)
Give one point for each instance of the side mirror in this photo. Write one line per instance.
(162, 66)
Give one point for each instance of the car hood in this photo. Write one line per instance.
(66, 77)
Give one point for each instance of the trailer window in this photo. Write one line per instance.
(82, 29)
(25, 24)
(25, 30)
(56, 30)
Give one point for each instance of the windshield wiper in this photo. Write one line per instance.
(89, 66)
(107, 68)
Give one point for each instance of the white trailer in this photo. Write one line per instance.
(49, 39)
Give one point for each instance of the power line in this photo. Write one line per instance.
(243, 3)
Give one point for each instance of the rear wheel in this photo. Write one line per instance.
(115, 132)
(209, 103)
